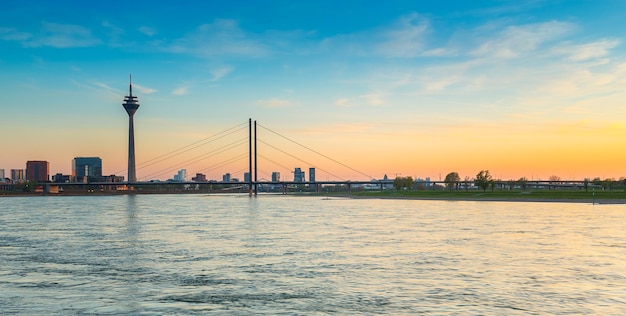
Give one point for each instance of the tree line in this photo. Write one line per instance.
(484, 180)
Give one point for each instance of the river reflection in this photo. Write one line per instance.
(199, 254)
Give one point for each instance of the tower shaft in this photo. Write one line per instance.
(132, 174)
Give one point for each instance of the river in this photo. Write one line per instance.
(277, 255)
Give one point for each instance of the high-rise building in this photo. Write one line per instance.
(17, 175)
(131, 105)
(86, 169)
(275, 176)
(226, 177)
(1, 174)
(37, 170)
(298, 175)
(246, 177)
(181, 176)
(311, 174)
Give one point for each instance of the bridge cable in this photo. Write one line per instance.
(292, 156)
(201, 157)
(329, 158)
(226, 162)
(172, 154)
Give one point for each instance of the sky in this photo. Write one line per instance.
(525, 88)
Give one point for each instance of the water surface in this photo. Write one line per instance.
(204, 254)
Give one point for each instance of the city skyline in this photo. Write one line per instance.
(523, 89)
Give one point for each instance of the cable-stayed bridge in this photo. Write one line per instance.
(267, 160)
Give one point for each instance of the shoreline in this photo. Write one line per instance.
(459, 198)
(496, 199)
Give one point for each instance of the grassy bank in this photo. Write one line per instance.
(539, 195)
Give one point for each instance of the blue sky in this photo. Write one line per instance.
(417, 88)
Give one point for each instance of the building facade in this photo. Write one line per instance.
(226, 177)
(37, 170)
(181, 176)
(61, 178)
(311, 174)
(86, 169)
(275, 176)
(199, 178)
(298, 175)
(17, 175)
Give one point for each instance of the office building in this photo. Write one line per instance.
(61, 178)
(298, 175)
(246, 177)
(199, 178)
(226, 177)
(86, 169)
(17, 175)
(3, 177)
(181, 176)
(275, 176)
(311, 174)
(37, 170)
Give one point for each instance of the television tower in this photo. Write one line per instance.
(131, 106)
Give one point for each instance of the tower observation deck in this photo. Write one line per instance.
(131, 105)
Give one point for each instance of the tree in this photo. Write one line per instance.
(452, 179)
(554, 179)
(403, 183)
(523, 183)
(607, 183)
(483, 179)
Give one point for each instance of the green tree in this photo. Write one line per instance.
(483, 180)
(607, 183)
(403, 183)
(452, 179)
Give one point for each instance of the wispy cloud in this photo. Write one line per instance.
(587, 51)
(275, 103)
(342, 102)
(144, 89)
(375, 99)
(105, 86)
(146, 30)
(180, 91)
(11, 34)
(62, 36)
(404, 39)
(516, 40)
(222, 37)
(218, 73)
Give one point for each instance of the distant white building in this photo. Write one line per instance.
(181, 176)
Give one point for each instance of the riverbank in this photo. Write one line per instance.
(563, 196)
